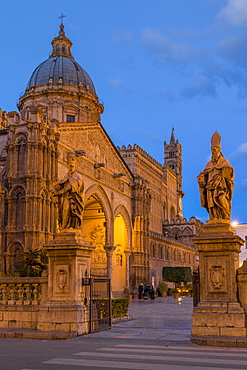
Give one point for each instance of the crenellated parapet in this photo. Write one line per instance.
(126, 151)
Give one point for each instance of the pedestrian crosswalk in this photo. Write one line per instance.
(150, 357)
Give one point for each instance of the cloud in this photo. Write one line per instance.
(115, 82)
(205, 67)
(122, 35)
(164, 94)
(163, 47)
(202, 86)
(233, 49)
(240, 153)
(195, 63)
(235, 12)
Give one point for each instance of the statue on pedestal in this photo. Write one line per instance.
(216, 183)
(70, 201)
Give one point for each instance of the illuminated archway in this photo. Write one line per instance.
(119, 261)
(94, 229)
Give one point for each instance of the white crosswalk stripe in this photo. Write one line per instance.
(158, 358)
(167, 352)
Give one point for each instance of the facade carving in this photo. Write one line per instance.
(131, 206)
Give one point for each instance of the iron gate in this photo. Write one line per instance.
(100, 304)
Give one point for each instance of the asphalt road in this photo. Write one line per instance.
(157, 338)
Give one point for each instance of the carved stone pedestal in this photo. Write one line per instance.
(218, 313)
(69, 261)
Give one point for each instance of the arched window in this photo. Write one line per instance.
(17, 207)
(21, 148)
(14, 257)
(161, 252)
(166, 253)
(153, 250)
(172, 213)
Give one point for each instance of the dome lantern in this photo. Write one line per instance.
(61, 45)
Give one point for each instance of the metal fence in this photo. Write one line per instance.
(100, 304)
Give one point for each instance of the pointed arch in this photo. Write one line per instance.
(99, 194)
(14, 256)
(17, 207)
(187, 231)
(20, 137)
(17, 189)
(121, 210)
(175, 233)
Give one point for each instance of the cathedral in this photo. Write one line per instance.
(132, 205)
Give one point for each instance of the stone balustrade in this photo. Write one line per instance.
(23, 290)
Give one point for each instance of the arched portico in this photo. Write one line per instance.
(121, 255)
(98, 229)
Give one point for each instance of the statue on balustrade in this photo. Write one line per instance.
(216, 183)
(69, 195)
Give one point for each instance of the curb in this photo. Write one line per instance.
(220, 341)
(124, 318)
(34, 334)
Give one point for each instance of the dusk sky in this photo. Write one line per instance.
(155, 65)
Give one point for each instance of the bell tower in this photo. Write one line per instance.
(173, 160)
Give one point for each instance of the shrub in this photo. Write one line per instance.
(34, 262)
(119, 307)
(163, 286)
(177, 274)
(169, 291)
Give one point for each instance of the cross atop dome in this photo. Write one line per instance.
(61, 17)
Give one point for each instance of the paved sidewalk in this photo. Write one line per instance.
(165, 319)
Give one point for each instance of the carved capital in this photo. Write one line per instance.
(109, 249)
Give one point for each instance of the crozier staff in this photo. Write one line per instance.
(216, 183)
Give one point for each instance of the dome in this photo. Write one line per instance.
(60, 69)
(61, 88)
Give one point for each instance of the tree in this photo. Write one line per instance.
(34, 263)
(177, 274)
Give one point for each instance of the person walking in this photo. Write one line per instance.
(151, 292)
(140, 291)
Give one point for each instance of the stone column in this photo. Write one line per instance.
(109, 252)
(127, 256)
(69, 259)
(219, 312)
